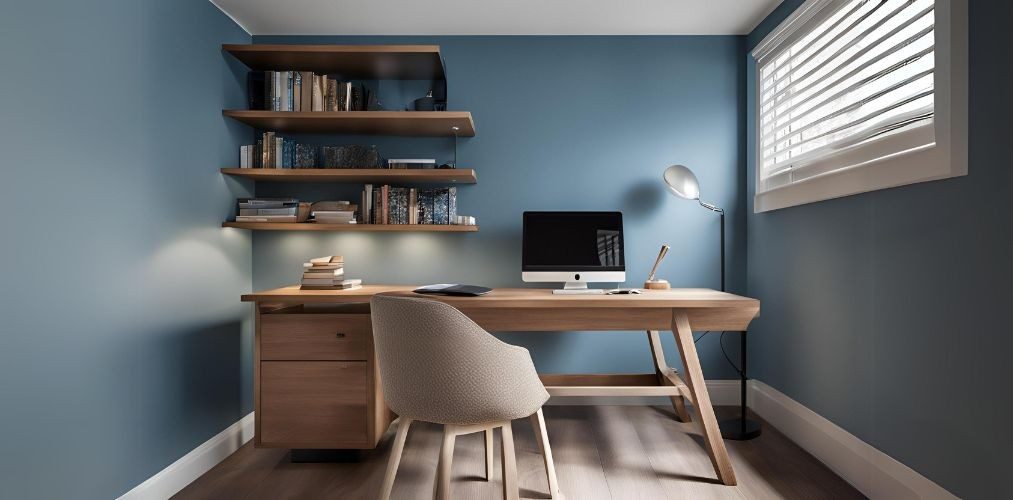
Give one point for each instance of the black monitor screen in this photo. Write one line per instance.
(573, 241)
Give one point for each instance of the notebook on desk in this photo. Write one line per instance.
(453, 289)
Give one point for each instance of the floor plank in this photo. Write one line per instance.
(601, 452)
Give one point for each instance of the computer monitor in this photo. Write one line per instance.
(575, 248)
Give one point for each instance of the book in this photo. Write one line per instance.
(266, 218)
(293, 211)
(291, 90)
(411, 163)
(305, 156)
(296, 91)
(316, 287)
(306, 90)
(331, 95)
(320, 272)
(317, 96)
(288, 153)
(276, 90)
(267, 202)
(413, 206)
(355, 98)
(277, 155)
(327, 259)
(334, 214)
(318, 281)
(334, 220)
(451, 204)
(337, 265)
(331, 206)
(255, 91)
(286, 90)
(268, 90)
(367, 204)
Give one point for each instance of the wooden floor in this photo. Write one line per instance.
(601, 452)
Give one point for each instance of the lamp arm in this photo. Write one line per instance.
(710, 206)
(721, 212)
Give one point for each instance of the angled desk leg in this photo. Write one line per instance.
(662, 369)
(698, 388)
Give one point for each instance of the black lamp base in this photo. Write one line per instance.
(739, 430)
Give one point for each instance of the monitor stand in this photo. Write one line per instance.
(578, 288)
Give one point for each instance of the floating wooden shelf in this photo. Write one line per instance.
(312, 226)
(403, 123)
(358, 175)
(352, 62)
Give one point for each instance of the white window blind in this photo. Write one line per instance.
(854, 84)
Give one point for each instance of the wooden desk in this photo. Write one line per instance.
(680, 311)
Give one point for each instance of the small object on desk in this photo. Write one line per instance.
(657, 284)
(624, 291)
(327, 273)
(453, 289)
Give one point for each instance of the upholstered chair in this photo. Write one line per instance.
(437, 365)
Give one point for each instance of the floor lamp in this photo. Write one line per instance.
(682, 183)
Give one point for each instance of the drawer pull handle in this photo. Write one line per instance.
(340, 335)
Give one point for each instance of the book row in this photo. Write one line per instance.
(402, 205)
(273, 151)
(306, 91)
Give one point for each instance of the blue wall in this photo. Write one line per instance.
(122, 333)
(563, 123)
(886, 312)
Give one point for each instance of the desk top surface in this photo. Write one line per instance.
(516, 298)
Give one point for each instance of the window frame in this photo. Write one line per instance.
(847, 173)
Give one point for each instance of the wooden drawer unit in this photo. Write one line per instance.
(326, 337)
(314, 404)
(317, 385)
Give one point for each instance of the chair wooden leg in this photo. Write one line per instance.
(488, 455)
(660, 366)
(510, 487)
(395, 457)
(542, 436)
(442, 484)
(698, 389)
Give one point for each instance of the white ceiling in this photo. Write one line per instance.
(502, 17)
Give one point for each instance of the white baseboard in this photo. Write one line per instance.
(193, 465)
(869, 470)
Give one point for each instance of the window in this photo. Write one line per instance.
(858, 95)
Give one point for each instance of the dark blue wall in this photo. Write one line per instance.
(887, 312)
(122, 332)
(564, 123)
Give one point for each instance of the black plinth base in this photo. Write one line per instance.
(738, 430)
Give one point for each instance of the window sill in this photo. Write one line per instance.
(929, 164)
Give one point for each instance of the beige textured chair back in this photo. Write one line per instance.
(437, 365)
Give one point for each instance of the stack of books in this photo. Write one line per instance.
(272, 151)
(401, 205)
(267, 210)
(306, 91)
(334, 212)
(327, 273)
(414, 163)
